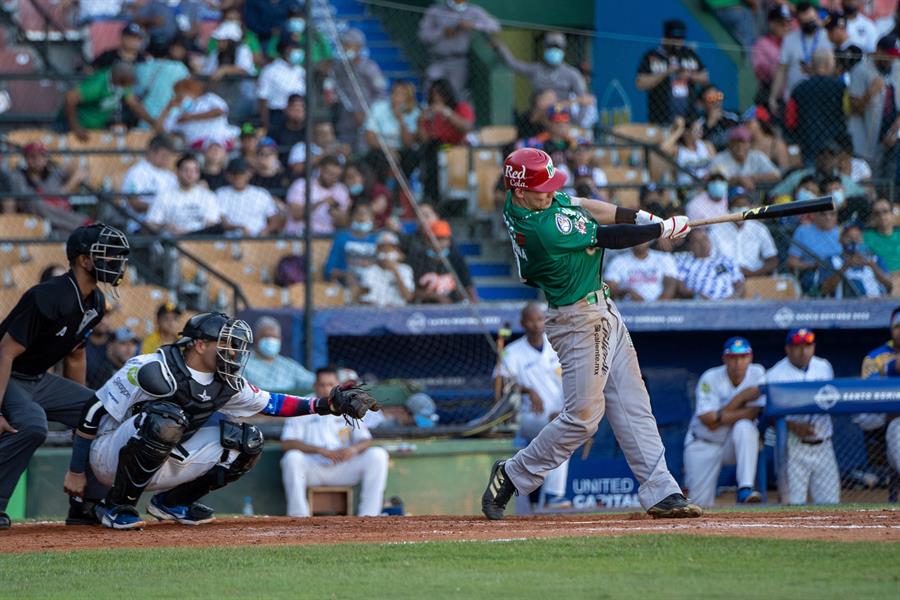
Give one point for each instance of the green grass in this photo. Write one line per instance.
(645, 567)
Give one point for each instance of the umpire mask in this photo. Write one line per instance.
(108, 249)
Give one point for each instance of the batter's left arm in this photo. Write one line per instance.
(606, 213)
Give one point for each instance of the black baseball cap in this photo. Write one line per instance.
(675, 28)
(834, 19)
(168, 308)
(133, 29)
(237, 165)
(82, 239)
(780, 12)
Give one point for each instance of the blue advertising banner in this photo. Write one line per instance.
(838, 396)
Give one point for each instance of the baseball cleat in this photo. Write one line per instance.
(498, 492)
(81, 513)
(747, 495)
(121, 517)
(557, 503)
(675, 506)
(195, 514)
(5, 522)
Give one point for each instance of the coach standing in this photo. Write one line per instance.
(51, 322)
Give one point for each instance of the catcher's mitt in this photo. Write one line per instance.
(352, 401)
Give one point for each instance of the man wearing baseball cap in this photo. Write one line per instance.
(723, 430)
(812, 469)
(167, 328)
(558, 242)
(130, 51)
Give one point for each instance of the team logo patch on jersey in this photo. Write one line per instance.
(705, 388)
(581, 226)
(564, 224)
(131, 374)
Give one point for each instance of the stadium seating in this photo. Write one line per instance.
(779, 287)
(20, 227)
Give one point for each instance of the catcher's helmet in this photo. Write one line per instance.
(531, 169)
(233, 338)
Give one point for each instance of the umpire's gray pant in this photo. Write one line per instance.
(600, 372)
(28, 405)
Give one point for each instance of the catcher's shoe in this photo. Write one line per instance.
(498, 492)
(81, 513)
(121, 516)
(675, 506)
(195, 514)
(5, 522)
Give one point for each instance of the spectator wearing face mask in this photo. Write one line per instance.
(295, 31)
(857, 272)
(351, 245)
(825, 164)
(278, 80)
(747, 243)
(388, 281)
(553, 73)
(268, 367)
(365, 188)
(797, 49)
(712, 201)
(358, 70)
(429, 261)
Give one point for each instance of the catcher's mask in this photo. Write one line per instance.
(108, 249)
(233, 338)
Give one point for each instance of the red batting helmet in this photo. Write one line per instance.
(531, 169)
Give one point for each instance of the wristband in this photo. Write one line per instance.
(626, 216)
(642, 217)
(81, 453)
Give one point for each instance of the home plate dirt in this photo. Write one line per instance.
(879, 525)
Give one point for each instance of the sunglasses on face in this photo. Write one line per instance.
(803, 338)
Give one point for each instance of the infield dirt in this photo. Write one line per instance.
(881, 525)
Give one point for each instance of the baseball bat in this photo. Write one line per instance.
(773, 211)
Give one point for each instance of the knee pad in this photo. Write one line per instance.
(163, 424)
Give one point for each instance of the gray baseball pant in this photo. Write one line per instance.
(27, 406)
(600, 374)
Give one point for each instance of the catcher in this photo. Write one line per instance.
(165, 423)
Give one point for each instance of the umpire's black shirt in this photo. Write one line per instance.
(51, 320)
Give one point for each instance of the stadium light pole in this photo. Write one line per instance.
(308, 308)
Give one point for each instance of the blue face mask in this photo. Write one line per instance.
(805, 194)
(554, 56)
(351, 54)
(187, 104)
(717, 188)
(361, 226)
(295, 56)
(444, 253)
(296, 25)
(270, 347)
(356, 189)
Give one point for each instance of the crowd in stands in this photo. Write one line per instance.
(823, 122)
(231, 110)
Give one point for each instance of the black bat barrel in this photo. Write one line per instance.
(789, 209)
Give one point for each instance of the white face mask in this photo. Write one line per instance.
(391, 256)
(457, 6)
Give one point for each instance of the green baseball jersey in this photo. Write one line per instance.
(555, 248)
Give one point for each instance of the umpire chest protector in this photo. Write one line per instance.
(171, 380)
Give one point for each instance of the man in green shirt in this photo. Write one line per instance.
(96, 101)
(558, 242)
(884, 239)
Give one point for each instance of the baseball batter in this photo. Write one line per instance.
(558, 243)
(720, 432)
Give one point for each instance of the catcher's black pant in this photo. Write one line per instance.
(28, 404)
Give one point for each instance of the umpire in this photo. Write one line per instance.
(51, 322)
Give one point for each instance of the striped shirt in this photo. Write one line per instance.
(712, 277)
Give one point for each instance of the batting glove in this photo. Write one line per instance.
(674, 228)
(646, 218)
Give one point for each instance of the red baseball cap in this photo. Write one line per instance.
(531, 169)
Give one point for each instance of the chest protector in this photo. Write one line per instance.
(198, 401)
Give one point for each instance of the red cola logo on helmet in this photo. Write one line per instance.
(531, 169)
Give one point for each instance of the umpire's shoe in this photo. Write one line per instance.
(499, 490)
(5, 522)
(675, 506)
(121, 516)
(81, 513)
(195, 514)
